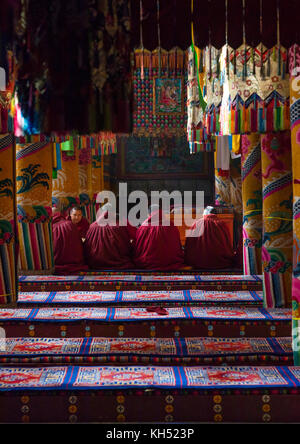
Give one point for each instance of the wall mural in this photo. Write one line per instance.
(164, 163)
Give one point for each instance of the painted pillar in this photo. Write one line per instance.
(252, 203)
(295, 138)
(34, 163)
(7, 222)
(236, 197)
(277, 218)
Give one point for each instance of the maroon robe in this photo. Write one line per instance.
(158, 247)
(82, 226)
(108, 247)
(212, 248)
(67, 246)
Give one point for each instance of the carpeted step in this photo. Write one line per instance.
(142, 298)
(167, 394)
(158, 351)
(146, 322)
(121, 281)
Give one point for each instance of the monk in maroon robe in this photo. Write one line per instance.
(158, 247)
(80, 222)
(67, 246)
(109, 246)
(211, 247)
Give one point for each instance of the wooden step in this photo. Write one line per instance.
(121, 281)
(146, 322)
(142, 298)
(167, 394)
(158, 351)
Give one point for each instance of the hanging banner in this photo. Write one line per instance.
(252, 203)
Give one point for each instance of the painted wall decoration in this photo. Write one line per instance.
(145, 157)
(168, 96)
(7, 225)
(156, 164)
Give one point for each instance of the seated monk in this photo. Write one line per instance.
(158, 247)
(109, 246)
(211, 247)
(80, 222)
(67, 245)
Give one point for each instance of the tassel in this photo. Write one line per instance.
(261, 123)
(214, 122)
(232, 123)
(218, 122)
(270, 119)
(240, 128)
(279, 118)
(236, 121)
(253, 118)
(244, 119)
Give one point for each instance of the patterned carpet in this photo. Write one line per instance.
(78, 378)
(138, 314)
(122, 297)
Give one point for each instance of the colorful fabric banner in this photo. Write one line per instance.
(277, 218)
(246, 90)
(7, 224)
(34, 194)
(252, 203)
(159, 91)
(295, 137)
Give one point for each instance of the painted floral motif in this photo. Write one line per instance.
(6, 186)
(31, 179)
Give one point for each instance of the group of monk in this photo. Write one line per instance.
(79, 246)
